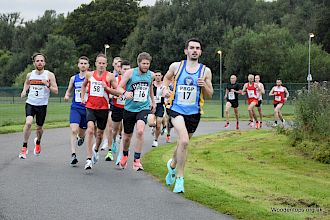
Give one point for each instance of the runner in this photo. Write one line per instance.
(193, 82)
(251, 89)
(159, 100)
(281, 95)
(107, 140)
(97, 105)
(40, 83)
(167, 118)
(117, 111)
(262, 92)
(78, 123)
(137, 87)
(232, 91)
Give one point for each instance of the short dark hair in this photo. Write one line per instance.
(144, 56)
(158, 71)
(125, 63)
(37, 54)
(192, 40)
(83, 58)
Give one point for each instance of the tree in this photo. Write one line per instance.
(61, 56)
(295, 67)
(101, 22)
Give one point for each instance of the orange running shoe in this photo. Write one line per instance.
(137, 165)
(37, 148)
(23, 153)
(237, 125)
(123, 162)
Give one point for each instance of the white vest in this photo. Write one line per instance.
(38, 92)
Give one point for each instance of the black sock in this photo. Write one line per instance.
(96, 150)
(155, 139)
(89, 158)
(25, 144)
(110, 149)
(275, 122)
(137, 156)
(125, 153)
(168, 135)
(73, 154)
(38, 142)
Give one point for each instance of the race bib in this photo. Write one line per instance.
(77, 95)
(37, 91)
(231, 95)
(96, 89)
(278, 98)
(141, 93)
(250, 93)
(187, 95)
(121, 100)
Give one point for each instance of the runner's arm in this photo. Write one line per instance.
(207, 89)
(52, 83)
(83, 87)
(271, 93)
(26, 85)
(113, 85)
(69, 90)
(244, 90)
(286, 94)
(262, 88)
(152, 95)
(120, 89)
(168, 78)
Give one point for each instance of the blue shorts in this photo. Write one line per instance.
(78, 116)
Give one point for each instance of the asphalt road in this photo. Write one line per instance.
(47, 187)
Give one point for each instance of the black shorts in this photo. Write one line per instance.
(99, 116)
(159, 110)
(38, 111)
(130, 118)
(191, 121)
(234, 103)
(117, 114)
(259, 105)
(275, 105)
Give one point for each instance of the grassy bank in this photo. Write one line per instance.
(249, 174)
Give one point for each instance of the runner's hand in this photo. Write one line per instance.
(128, 95)
(23, 94)
(201, 82)
(167, 92)
(66, 98)
(153, 107)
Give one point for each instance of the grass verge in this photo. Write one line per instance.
(250, 175)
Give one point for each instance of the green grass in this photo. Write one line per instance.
(245, 174)
(212, 110)
(12, 116)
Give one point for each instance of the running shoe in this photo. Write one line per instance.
(237, 125)
(257, 125)
(104, 144)
(163, 130)
(23, 153)
(123, 162)
(119, 156)
(37, 148)
(114, 146)
(179, 185)
(168, 138)
(88, 165)
(227, 125)
(251, 124)
(155, 143)
(260, 124)
(274, 125)
(170, 177)
(74, 160)
(80, 140)
(95, 156)
(109, 156)
(137, 165)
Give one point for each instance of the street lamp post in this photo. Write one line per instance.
(106, 46)
(220, 84)
(309, 76)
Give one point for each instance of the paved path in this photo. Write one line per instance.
(47, 187)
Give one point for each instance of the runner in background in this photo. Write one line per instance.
(260, 92)
(250, 88)
(232, 91)
(281, 95)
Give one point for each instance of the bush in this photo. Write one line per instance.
(311, 133)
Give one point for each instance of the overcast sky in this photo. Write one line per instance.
(31, 9)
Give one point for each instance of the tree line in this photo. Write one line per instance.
(270, 38)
